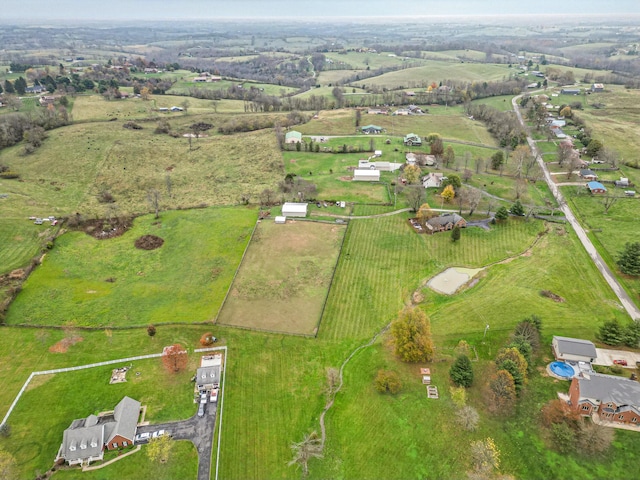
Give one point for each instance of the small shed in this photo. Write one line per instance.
(291, 209)
(361, 175)
(573, 349)
(280, 219)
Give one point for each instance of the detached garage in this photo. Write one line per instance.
(366, 175)
(291, 209)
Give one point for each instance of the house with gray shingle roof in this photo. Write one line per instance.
(444, 222)
(611, 398)
(86, 438)
(573, 349)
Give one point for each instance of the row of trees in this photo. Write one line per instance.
(513, 364)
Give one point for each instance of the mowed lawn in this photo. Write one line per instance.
(284, 278)
(383, 262)
(66, 396)
(89, 282)
(76, 163)
(20, 241)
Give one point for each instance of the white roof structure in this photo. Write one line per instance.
(366, 175)
(291, 209)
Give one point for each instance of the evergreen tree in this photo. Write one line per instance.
(502, 213)
(629, 259)
(517, 209)
(8, 87)
(461, 372)
(455, 234)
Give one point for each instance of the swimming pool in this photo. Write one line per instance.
(562, 370)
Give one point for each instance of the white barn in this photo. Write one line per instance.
(361, 175)
(291, 209)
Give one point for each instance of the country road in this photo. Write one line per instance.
(625, 299)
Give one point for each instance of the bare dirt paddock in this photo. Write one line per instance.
(284, 278)
(449, 281)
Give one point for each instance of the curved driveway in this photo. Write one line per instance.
(199, 430)
(606, 272)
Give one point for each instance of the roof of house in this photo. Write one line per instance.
(126, 416)
(371, 127)
(445, 219)
(293, 134)
(575, 346)
(587, 173)
(596, 186)
(609, 388)
(81, 441)
(206, 375)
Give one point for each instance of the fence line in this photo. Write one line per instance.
(224, 300)
(224, 378)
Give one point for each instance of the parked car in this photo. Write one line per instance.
(620, 362)
(201, 409)
(142, 437)
(214, 395)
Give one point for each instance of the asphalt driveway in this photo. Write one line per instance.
(198, 430)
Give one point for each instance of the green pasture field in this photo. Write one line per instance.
(501, 102)
(183, 281)
(435, 71)
(331, 77)
(183, 463)
(21, 241)
(284, 278)
(333, 179)
(448, 122)
(97, 108)
(362, 60)
(613, 123)
(183, 87)
(129, 163)
(612, 230)
(382, 264)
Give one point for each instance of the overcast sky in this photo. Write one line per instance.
(212, 9)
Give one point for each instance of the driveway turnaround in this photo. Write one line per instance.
(199, 430)
(604, 269)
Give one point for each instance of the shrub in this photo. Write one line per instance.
(388, 382)
(8, 175)
(207, 339)
(151, 330)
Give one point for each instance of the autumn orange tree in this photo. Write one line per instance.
(412, 336)
(174, 358)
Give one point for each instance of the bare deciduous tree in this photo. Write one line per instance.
(310, 447)
(153, 197)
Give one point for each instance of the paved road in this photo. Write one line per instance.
(199, 430)
(606, 272)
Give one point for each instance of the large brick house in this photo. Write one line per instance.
(611, 398)
(86, 438)
(444, 222)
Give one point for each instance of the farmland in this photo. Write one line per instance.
(111, 283)
(291, 301)
(283, 281)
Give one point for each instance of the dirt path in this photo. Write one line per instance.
(378, 215)
(329, 404)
